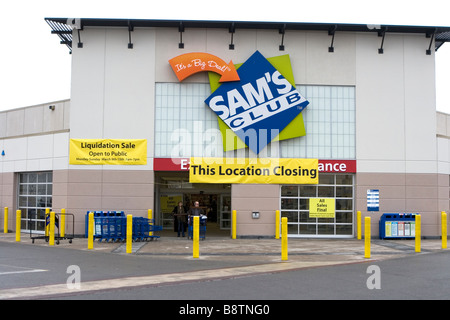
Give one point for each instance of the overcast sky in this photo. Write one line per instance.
(35, 68)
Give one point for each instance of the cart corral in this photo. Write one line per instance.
(112, 226)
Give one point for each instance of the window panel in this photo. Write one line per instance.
(331, 113)
(337, 186)
(34, 195)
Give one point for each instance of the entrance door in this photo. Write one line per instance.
(225, 212)
(166, 204)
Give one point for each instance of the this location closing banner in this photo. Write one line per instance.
(254, 170)
(108, 151)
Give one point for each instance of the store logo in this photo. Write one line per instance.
(257, 104)
(260, 105)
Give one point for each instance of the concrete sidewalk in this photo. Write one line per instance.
(324, 251)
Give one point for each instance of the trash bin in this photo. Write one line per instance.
(397, 225)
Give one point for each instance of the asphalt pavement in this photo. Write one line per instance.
(168, 260)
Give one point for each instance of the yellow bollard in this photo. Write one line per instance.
(18, 226)
(62, 223)
(5, 222)
(277, 224)
(47, 213)
(284, 239)
(51, 231)
(418, 232)
(150, 217)
(129, 233)
(196, 235)
(91, 231)
(367, 237)
(444, 229)
(233, 224)
(358, 225)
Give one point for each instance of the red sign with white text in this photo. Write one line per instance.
(327, 166)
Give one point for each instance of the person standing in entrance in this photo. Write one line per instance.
(180, 216)
(196, 210)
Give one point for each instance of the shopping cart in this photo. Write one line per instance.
(202, 227)
(112, 226)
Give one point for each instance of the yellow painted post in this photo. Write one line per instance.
(233, 224)
(358, 225)
(277, 224)
(284, 240)
(444, 229)
(51, 231)
(418, 232)
(62, 223)
(91, 231)
(18, 226)
(150, 216)
(129, 233)
(196, 234)
(367, 237)
(5, 222)
(47, 213)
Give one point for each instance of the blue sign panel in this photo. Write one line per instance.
(373, 200)
(259, 106)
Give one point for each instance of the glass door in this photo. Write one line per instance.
(34, 196)
(225, 212)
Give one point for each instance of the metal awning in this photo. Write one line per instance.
(64, 27)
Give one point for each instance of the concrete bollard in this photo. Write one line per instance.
(51, 229)
(18, 224)
(367, 236)
(91, 231)
(195, 236)
(418, 233)
(233, 224)
(5, 220)
(62, 223)
(277, 224)
(358, 225)
(444, 229)
(284, 239)
(150, 217)
(129, 233)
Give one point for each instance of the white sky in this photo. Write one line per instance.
(35, 68)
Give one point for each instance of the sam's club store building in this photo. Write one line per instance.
(313, 120)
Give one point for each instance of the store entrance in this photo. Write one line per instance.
(214, 200)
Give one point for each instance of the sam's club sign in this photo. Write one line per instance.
(259, 103)
(259, 106)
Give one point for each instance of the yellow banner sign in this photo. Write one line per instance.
(108, 151)
(321, 207)
(254, 170)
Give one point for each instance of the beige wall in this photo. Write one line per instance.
(427, 194)
(80, 190)
(35, 120)
(7, 198)
(246, 198)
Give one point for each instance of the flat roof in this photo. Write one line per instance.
(63, 27)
